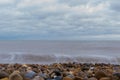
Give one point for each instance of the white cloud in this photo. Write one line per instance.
(89, 8)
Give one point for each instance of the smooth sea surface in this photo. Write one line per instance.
(37, 51)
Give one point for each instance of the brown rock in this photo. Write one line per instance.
(100, 74)
(67, 78)
(105, 78)
(78, 78)
(15, 76)
(93, 78)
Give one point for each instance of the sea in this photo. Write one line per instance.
(59, 51)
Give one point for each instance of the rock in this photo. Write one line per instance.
(105, 78)
(100, 74)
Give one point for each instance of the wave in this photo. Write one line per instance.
(23, 57)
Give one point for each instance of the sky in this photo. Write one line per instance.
(59, 19)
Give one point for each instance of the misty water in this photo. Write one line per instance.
(35, 51)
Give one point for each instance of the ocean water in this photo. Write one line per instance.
(35, 51)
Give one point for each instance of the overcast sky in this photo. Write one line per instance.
(59, 19)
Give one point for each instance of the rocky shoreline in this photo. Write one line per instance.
(60, 71)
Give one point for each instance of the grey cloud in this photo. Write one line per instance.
(61, 19)
(73, 2)
(115, 5)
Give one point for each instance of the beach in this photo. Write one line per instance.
(59, 60)
(59, 39)
(60, 71)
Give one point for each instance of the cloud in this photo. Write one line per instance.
(59, 19)
(102, 37)
(115, 5)
(2, 2)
